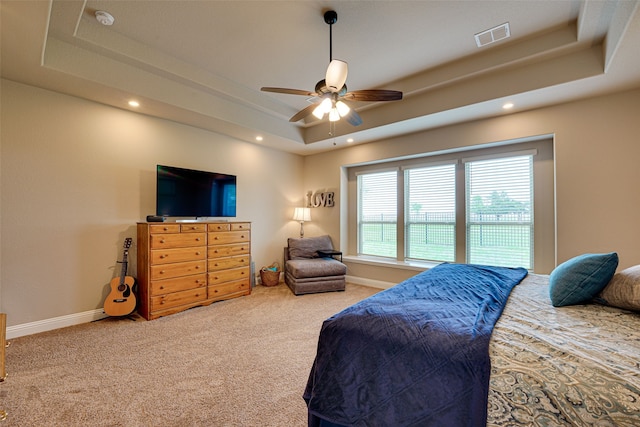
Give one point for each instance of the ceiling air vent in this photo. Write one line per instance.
(493, 35)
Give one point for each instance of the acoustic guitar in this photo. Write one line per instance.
(121, 301)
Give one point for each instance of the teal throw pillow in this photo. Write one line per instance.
(580, 279)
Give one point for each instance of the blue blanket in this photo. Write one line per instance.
(416, 354)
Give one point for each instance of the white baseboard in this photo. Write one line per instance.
(92, 315)
(54, 323)
(369, 282)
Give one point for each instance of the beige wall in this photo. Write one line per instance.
(597, 147)
(76, 177)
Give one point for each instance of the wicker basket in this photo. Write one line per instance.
(269, 276)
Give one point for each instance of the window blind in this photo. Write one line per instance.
(377, 213)
(499, 211)
(430, 212)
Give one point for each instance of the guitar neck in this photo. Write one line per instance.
(123, 271)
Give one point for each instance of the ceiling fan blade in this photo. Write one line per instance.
(336, 75)
(353, 118)
(304, 112)
(288, 91)
(373, 95)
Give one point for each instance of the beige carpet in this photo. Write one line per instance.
(242, 362)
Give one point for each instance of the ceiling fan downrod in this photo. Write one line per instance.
(330, 17)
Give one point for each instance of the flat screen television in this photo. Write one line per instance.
(192, 193)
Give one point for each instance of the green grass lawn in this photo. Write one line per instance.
(508, 245)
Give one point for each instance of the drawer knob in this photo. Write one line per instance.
(161, 271)
(166, 228)
(197, 239)
(198, 253)
(162, 302)
(163, 256)
(197, 267)
(162, 241)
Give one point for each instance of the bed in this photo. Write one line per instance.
(547, 366)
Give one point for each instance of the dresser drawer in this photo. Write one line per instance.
(238, 226)
(164, 228)
(231, 262)
(227, 250)
(193, 228)
(224, 237)
(160, 287)
(227, 288)
(217, 277)
(181, 240)
(162, 302)
(164, 256)
(219, 227)
(168, 271)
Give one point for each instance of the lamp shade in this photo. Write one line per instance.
(343, 109)
(323, 108)
(302, 214)
(336, 75)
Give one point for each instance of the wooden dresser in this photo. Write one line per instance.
(183, 265)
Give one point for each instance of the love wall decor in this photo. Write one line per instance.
(321, 199)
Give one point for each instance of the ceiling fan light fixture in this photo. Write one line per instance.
(323, 108)
(328, 94)
(343, 109)
(336, 75)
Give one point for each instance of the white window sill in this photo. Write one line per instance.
(385, 262)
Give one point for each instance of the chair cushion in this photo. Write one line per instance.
(301, 268)
(307, 247)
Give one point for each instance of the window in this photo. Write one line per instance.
(377, 213)
(499, 199)
(430, 212)
(457, 208)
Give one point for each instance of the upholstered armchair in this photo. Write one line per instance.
(306, 272)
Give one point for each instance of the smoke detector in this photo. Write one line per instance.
(105, 18)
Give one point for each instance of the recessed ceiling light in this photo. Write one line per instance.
(259, 138)
(350, 140)
(507, 106)
(134, 103)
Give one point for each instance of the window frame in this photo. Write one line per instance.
(544, 251)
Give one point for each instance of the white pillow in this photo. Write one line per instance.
(623, 291)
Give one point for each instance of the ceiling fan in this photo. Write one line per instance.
(332, 91)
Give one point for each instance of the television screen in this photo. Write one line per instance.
(192, 193)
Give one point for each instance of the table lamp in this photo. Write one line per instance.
(302, 215)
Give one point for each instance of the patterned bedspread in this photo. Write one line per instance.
(577, 365)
